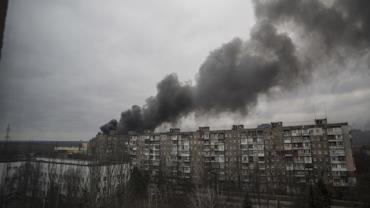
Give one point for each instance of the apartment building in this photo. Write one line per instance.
(109, 147)
(271, 156)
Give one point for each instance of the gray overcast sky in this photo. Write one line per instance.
(69, 66)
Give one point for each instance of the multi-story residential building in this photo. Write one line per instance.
(271, 156)
(109, 147)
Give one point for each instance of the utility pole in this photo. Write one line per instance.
(7, 138)
(7, 135)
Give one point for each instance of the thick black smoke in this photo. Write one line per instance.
(111, 125)
(344, 24)
(234, 75)
(172, 101)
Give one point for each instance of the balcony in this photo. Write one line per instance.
(296, 133)
(337, 152)
(219, 149)
(156, 163)
(206, 149)
(154, 154)
(185, 170)
(244, 141)
(336, 147)
(184, 154)
(287, 141)
(305, 132)
(339, 169)
(184, 160)
(334, 131)
(297, 140)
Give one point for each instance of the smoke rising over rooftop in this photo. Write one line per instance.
(234, 75)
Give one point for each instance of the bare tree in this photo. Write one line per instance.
(27, 186)
(53, 184)
(121, 189)
(35, 184)
(5, 186)
(205, 198)
(92, 186)
(72, 187)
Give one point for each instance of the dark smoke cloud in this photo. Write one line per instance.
(234, 75)
(343, 25)
(111, 125)
(172, 101)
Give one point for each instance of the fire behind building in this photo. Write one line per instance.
(269, 156)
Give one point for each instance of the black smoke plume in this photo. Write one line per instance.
(172, 101)
(234, 75)
(338, 25)
(111, 125)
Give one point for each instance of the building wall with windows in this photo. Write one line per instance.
(40, 173)
(109, 147)
(269, 156)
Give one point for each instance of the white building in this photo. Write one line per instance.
(66, 173)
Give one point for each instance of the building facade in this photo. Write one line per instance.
(37, 177)
(109, 147)
(271, 156)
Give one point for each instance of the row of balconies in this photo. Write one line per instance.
(220, 164)
(337, 152)
(184, 154)
(334, 131)
(185, 161)
(185, 170)
(155, 148)
(302, 159)
(339, 169)
(333, 138)
(339, 173)
(304, 152)
(154, 139)
(156, 163)
(334, 150)
(336, 145)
